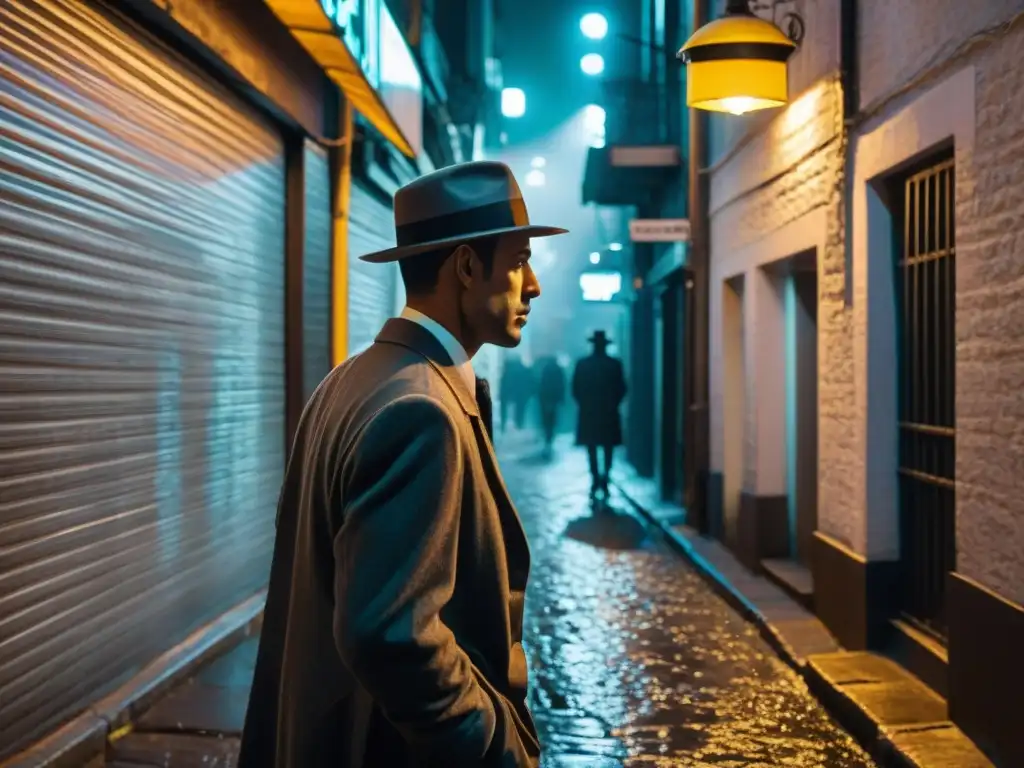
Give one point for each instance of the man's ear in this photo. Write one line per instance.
(463, 258)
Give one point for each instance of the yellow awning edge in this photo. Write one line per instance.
(318, 34)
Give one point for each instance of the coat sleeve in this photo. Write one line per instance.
(395, 556)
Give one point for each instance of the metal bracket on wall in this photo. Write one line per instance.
(784, 14)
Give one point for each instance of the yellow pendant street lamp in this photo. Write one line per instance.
(737, 64)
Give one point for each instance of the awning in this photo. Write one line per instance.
(310, 25)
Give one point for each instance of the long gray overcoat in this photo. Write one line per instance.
(393, 626)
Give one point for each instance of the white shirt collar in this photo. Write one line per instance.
(451, 345)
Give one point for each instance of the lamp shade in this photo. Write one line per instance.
(737, 64)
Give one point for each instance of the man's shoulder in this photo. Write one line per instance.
(386, 373)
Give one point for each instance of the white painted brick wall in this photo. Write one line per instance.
(899, 39)
(792, 168)
(990, 330)
(776, 178)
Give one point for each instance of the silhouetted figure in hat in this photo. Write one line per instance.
(516, 388)
(599, 386)
(550, 396)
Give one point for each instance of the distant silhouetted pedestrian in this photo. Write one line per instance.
(515, 390)
(550, 396)
(599, 386)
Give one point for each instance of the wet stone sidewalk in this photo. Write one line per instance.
(635, 661)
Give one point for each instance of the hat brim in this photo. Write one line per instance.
(402, 252)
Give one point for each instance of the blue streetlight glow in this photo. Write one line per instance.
(513, 102)
(594, 26)
(592, 64)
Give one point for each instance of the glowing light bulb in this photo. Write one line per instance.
(739, 105)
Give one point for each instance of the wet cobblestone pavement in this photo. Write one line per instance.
(635, 661)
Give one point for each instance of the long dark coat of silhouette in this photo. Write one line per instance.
(599, 387)
(393, 624)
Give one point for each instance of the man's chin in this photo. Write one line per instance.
(511, 338)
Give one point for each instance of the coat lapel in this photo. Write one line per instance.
(515, 535)
(421, 341)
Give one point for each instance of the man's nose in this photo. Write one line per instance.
(531, 285)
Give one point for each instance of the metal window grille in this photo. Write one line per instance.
(926, 280)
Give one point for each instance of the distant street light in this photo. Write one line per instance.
(594, 117)
(595, 258)
(594, 26)
(513, 102)
(592, 64)
(535, 178)
(538, 162)
(615, 246)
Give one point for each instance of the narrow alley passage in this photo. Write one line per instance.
(635, 660)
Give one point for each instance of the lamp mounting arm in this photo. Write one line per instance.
(739, 7)
(782, 13)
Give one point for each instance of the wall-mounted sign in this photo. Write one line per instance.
(376, 42)
(659, 230)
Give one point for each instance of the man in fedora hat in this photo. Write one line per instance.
(393, 624)
(599, 386)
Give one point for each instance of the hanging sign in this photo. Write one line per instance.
(659, 230)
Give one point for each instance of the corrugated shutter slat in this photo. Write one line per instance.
(371, 287)
(316, 298)
(141, 354)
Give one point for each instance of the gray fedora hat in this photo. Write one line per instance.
(457, 204)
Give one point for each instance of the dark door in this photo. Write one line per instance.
(142, 241)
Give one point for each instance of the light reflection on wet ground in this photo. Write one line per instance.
(635, 661)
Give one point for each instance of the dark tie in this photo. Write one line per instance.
(483, 401)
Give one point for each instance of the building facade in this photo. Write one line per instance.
(864, 345)
(183, 184)
(933, 248)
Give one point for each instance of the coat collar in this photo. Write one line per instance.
(412, 336)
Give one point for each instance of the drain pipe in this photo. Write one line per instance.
(698, 438)
(848, 59)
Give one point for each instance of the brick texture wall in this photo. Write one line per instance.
(794, 167)
(943, 36)
(768, 170)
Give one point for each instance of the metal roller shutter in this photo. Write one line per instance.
(141, 354)
(371, 287)
(316, 298)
